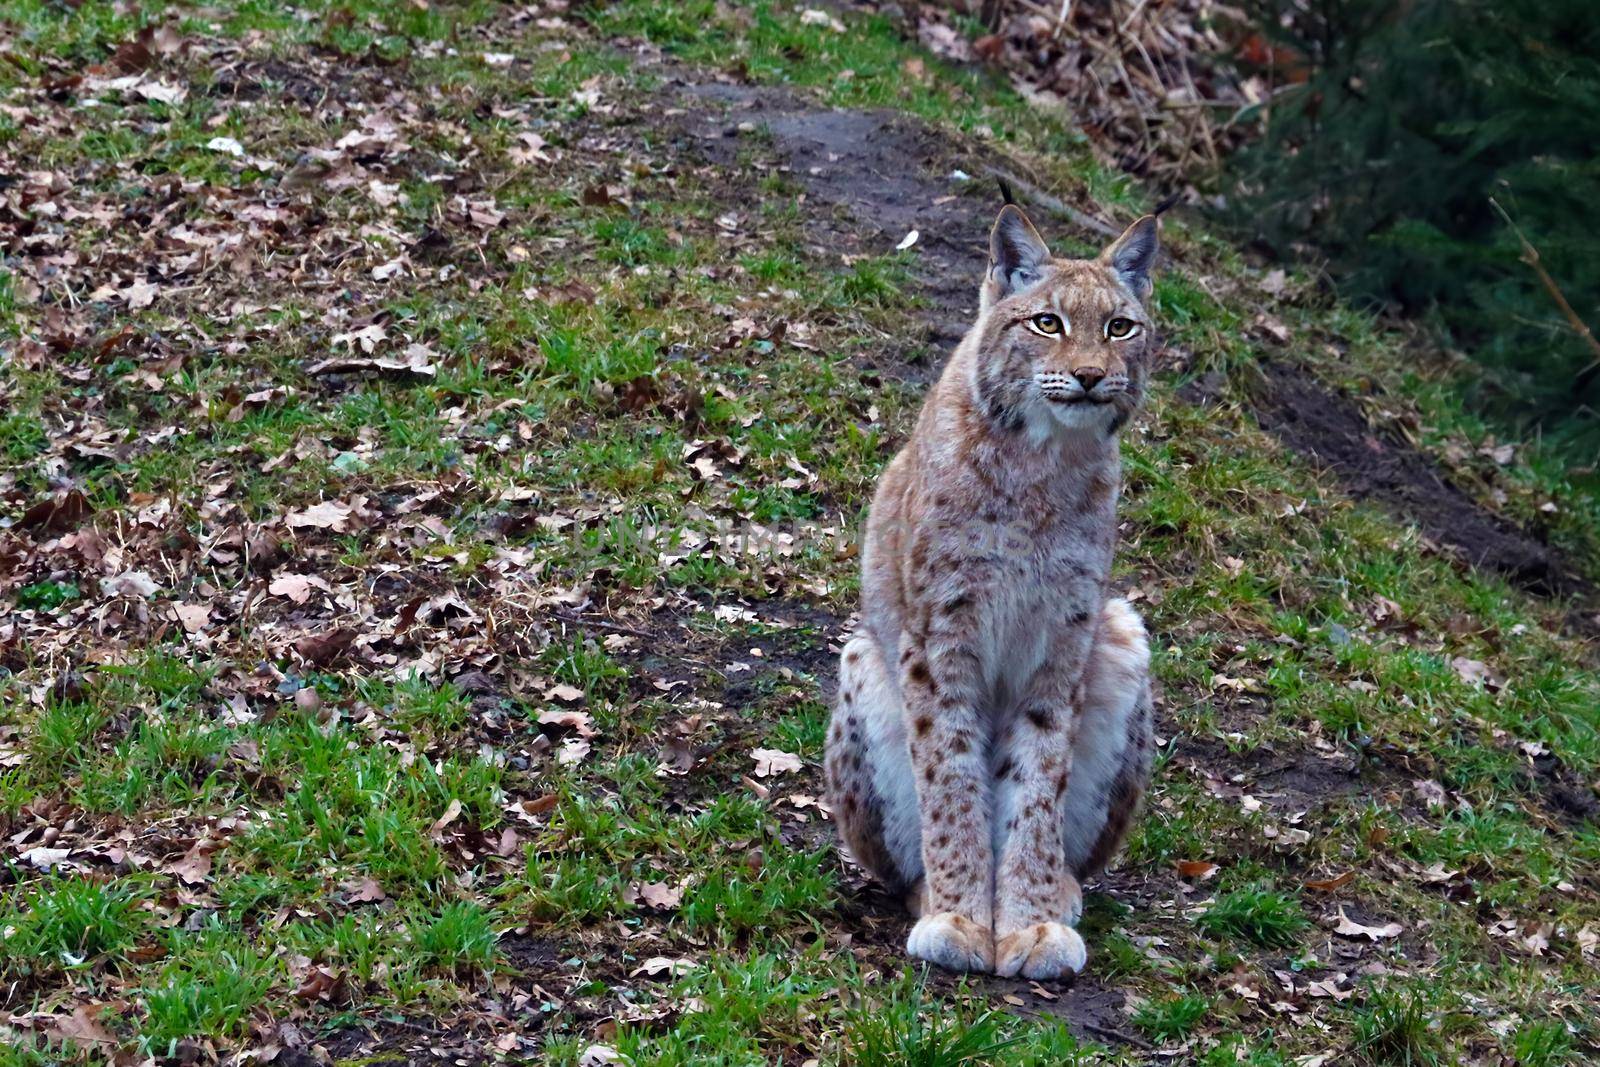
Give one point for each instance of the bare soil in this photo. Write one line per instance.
(1330, 430)
(870, 178)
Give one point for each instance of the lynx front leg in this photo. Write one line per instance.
(948, 741)
(1037, 896)
(1106, 770)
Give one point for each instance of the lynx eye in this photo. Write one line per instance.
(1045, 323)
(1121, 329)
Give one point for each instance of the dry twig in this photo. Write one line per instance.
(1081, 218)
(1530, 256)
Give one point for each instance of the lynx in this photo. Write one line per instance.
(992, 732)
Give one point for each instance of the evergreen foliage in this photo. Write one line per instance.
(1412, 115)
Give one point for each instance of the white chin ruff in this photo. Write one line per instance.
(1083, 415)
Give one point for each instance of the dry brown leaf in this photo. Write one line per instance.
(45, 859)
(1329, 885)
(192, 617)
(84, 1029)
(56, 514)
(770, 761)
(1348, 927)
(134, 584)
(246, 751)
(654, 895)
(452, 812)
(1197, 870)
(663, 966)
(364, 890)
(297, 587)
(1431, 792)
(322, 649)
(328, 515)
(567, 694)
(1472, 671)
(579, 722)
(320, 983)
(194, 867)
(541, 804)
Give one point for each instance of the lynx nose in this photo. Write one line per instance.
(1089, 377)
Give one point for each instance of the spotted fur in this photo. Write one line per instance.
(992, 736)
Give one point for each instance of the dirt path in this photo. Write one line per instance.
(870, 178)
(1331, 431)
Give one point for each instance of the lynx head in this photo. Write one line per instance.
(1064, 344)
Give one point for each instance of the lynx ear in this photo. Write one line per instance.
(1017, 255)
(1133, 255)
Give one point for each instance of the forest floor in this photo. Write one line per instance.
(434, 439)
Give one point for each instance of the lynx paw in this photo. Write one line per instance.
(1043, 950)
(952, 941)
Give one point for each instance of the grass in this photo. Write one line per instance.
(69, 922)
(494, 761)
(1173, 1018)
(904, 1030)
(1256, 913)
(1401, 1027)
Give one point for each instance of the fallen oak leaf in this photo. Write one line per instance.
(297, 587)
(1329, 988)
(322, 649)
(1435, 874)
(364, 891)
(57, 513)
(572, 751)
(452, 812)
(770, 761)
(84, 1029)
(46, 859)
(1431, 792)
(247, 752)
(133, 584)
(1537, 940)
(1474, 672)
(656, 965)
(194, 867)
(1348, 927)
(654, 895)
(320, 983)
(540, 804)
(418, 362)
(368, 337)
(579, 722)
(192, 617)
(1329, 885)
(328, 515)
(1196, 870)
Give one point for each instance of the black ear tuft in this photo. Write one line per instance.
(1133, 255)
(1017, 254)
(1006, 195)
